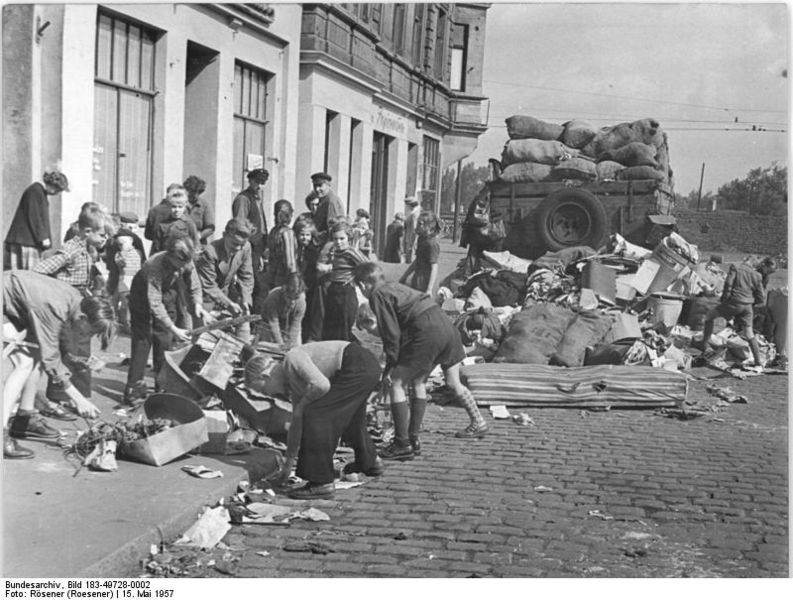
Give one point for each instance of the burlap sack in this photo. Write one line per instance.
(574, 168)
(537, 151)
(534, 333)
(577, 134)
(525, 171)
(634, 173)
(646, 131)
(520, 127)
(608, 170)
(634, 154)
(586, 329)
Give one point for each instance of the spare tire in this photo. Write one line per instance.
(571, 217)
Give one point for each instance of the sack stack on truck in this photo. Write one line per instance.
(539, 151)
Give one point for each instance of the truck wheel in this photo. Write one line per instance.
(571, 217)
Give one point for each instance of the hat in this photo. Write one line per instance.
(317, 177)
(411, 200)
(258, 175)
(128, 217)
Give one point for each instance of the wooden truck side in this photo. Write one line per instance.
(549, 216)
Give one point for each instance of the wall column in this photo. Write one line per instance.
(361, 167)
(311, 142)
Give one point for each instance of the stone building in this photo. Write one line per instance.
(128, 98)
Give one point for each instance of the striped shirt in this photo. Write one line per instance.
(72, 263)
(282, 261)
(344, 263)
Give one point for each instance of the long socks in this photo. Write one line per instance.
(466, 398)
(400, 413)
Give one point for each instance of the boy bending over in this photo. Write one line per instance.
(416, 336)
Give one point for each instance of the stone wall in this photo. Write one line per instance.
(734, 231)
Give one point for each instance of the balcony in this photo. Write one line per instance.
(330, 33)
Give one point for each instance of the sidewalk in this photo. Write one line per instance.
(56, 524)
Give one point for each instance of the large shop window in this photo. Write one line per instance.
(431, 170)
(123, 114)
(251, 91)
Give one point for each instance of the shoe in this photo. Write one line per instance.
(377, 469)
(53, 410)
(32, 427)
(135, 394)
(416, 445)
(472, 432)
(312, 491)
(396, 452)
(12, 450)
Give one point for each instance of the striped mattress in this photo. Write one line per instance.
(602, 386)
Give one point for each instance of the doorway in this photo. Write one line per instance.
(378, 193)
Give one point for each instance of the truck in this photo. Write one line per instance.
(550, 216)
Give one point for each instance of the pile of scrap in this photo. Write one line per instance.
(615, 328)
(541, 151)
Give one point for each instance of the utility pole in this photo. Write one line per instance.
(457, 193)
(701, 177)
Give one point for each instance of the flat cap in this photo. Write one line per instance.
(321, 177)
(128, 217)
(258, 175)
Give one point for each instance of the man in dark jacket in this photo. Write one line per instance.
(249, 205)
(330, 208)
(29, 234)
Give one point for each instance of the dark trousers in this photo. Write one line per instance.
(339, 414)
(341, 305)
(315, 313)
(146, 332)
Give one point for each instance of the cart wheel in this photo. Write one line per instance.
(571, 217)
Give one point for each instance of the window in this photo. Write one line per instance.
(398, 35)
(376, 15)
(413, 166)
(459, 46)
(251, 90)
(430, 179)
(363, 12)
(329, 117)
(440, 48)
(123, 114)
(418, 35)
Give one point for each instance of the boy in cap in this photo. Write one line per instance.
(198, 209)
(330, 208)
(249, 205)
(29, 234)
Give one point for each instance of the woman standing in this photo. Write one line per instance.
(328, 384)
(29, 234)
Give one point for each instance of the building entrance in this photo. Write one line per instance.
(378, 194)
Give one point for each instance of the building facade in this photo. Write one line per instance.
(129, 98)
(390, 95)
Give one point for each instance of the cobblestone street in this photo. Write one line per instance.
(578, 494)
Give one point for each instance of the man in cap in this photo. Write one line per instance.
(29, 234)
(249, 205)
(412, 212)
(330, 208)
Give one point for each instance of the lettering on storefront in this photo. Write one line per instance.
(390, 123)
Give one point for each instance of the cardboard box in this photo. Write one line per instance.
(172, 443)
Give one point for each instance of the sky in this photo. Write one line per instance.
(694, 68)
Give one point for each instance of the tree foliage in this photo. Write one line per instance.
(471, 181)
(762, 192)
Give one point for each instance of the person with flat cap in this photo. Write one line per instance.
(330, 208)
(249, 205)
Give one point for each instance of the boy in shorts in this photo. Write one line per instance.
(416, 335)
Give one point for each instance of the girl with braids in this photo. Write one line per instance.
(281, 246)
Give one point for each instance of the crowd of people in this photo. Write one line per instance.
(312, 279)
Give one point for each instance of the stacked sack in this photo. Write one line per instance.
(540, 151)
